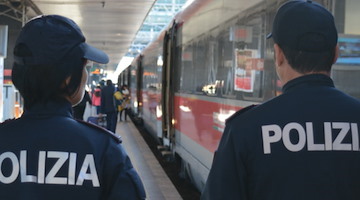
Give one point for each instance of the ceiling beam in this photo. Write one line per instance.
(17, 10)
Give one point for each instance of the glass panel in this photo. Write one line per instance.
(249, 57)
(346, 71)
(228, 62)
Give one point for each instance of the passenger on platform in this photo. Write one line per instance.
(125, 103)
(303, 144)
(79, 109)
(96, 99)
(108, 105)
(102, 83)
(118, 100)
(46, 153)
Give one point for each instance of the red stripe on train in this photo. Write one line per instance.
(202, 121)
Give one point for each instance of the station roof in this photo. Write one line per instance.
(110, 25)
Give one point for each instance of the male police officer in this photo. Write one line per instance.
(303, 144)
(46, 154)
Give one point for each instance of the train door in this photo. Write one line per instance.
(167, 91)
(139, 86)
(128, 77)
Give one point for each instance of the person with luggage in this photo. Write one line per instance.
(46, 153)
(125, 102)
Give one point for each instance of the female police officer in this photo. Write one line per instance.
(46, 154)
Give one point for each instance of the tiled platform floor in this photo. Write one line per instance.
(157, 185)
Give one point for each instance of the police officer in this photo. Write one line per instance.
(46, 154)
(303, 144)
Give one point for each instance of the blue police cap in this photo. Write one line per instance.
(304, 26)
(51, 38)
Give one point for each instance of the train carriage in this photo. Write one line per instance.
(213, 60)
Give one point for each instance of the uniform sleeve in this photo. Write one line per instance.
(227, 175)
(121, 179)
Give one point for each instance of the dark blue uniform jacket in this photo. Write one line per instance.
(46, 154)
(301, 145)
(107, 99)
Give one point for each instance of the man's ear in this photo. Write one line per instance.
(66, 82)
(279, 55)
(337, 52)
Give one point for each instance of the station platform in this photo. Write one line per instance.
(157, 184)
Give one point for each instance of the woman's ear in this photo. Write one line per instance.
(67, 80)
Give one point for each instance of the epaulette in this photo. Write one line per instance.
(242, 111)
(117, 138)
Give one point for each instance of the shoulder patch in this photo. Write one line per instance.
(242, 111)
(117, 138)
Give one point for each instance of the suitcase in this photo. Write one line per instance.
(100, 121)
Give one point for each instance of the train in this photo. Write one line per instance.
(212, 60)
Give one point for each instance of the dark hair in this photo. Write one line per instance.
(304, 61)
(44, 83)
(109, 82)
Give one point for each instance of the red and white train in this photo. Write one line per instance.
(214, 59)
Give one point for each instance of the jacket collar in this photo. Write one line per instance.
(62, 108)
(308, 80)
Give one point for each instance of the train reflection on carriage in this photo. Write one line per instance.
(213, 60)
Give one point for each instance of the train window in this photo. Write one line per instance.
(200, 53)
(188, 77)
(249, 57)
(227, 62)
(225, 72)
(151, 73)
(230, 62)
(346, 71)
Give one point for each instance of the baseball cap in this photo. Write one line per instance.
(53, 38)
(304, 26)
